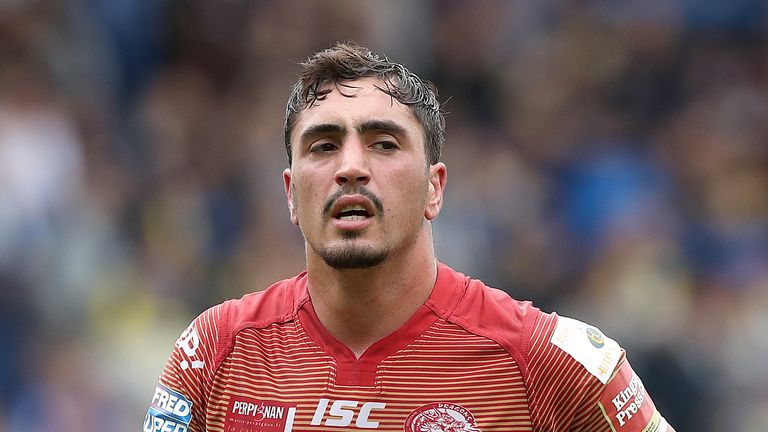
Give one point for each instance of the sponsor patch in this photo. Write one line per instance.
(169, 411)
(251, 415)
(441, 416)
(189, 342)
(598, 353)
(343, 412)
(596, 338)
(154, 422)
(626, 405)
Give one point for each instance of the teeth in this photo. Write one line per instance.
(352, 218)
(353, 212)
(353, 207)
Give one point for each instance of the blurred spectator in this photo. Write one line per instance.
(607, 159)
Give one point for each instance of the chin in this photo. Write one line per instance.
(353, 256)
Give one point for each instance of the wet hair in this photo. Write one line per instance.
(346, 61)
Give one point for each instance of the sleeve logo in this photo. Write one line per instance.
(169, 411)
(598, 353)
(189, 342)
(595, 337)
(626, 405)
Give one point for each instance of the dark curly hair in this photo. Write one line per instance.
(348, 61)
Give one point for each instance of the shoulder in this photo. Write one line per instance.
(558, 338)
(491, 313)
(215, 328)
(532, 336)
(494, 310)
(276, 304)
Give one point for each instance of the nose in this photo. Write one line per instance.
(353, 165)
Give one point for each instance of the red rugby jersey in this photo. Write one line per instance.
(470, 359)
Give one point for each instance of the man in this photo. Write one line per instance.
(376, 334)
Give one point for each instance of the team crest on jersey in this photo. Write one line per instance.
(441, 417)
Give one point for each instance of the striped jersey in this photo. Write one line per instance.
(470, 359)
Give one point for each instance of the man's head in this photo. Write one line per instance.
(345, 62)
(363, 136)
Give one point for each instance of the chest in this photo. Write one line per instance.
(444, 381)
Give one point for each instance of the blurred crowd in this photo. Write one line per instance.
(607, 160)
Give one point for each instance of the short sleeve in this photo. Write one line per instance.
(181, 395)
(624, 405)
(580, 380)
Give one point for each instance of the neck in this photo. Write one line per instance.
(361, 306)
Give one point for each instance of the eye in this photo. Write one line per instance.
(385, 146)
(322, 147)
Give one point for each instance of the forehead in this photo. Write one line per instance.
(351, 103)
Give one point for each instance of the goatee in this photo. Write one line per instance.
(352, 256)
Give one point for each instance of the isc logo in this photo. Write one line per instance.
(342, 413)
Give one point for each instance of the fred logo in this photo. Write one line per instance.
(169, 411)
(251, 415)
(158, 423)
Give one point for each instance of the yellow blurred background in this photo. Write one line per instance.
(607, 160)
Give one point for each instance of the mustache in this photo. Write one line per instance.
(354, 190)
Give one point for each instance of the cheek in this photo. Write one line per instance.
(305, 201)
(302, 196)
(411, 186)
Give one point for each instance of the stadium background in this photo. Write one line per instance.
(607, 159)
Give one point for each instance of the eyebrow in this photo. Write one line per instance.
(321, 129)
(386, 126)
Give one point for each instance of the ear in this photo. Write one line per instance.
(438, 175)
(289, 195)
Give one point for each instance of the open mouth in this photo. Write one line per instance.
(355, 212)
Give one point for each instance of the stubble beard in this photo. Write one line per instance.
(352, 254)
